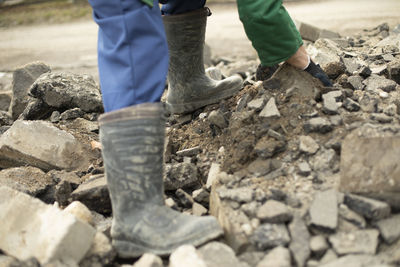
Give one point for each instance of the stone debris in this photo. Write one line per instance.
(216, 254)
(324, 210)
(269, 235)
(389, 229)
(369, 208)
(184, 256)
(318, 245)
(277, 257)
(270, 110)
(180, 175)
(300, 241)
(308, 145)
(357, 242)
(274, 212)
(22, 220)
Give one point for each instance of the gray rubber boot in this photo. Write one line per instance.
(189, 87)
(133, 145)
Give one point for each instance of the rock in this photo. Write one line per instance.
(394, 71)
(267, 147)
(216, 254)
(319, 125)
(198, 210)
(274, 212)
(5, 100)
(71, 114)
(304, 168)
(356, 81)
(185, 256)
(212, 174)
(251, 258)
(381, 118)
(270, 110)
(312, 33)
(62, 193)
(318, 245)
(184, 198)
(201, 196)
(242, 194)
(23, 78)
(376, 82)
(5, 119)
(299, 245)
(355, 261)
(389, 229)
(329, 256)
(180, 175)
(308, 145)
(325, 161)
(22, 220)
(351, 216)
(67, 91)
(330, 105)
(190, 152)
(351, 105)
(364, 71)
(40, 144)
(149, 260)
(369, 164)
(326, 53)
(101, 253)
(351, 65)
(216, 117)
(80, 211)
(256, 104)
(214, 73)
(277, 257)
(261, 167)
(324, 211)
(94, 194)
(29, 180)
(369, 208)
(357, 242)
(269, 235)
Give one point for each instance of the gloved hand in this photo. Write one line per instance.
(264, 73)
(316, 71)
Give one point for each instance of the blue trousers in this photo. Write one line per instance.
(132, 49)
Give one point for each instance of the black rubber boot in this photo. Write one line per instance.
(133, 144)
(316, 71)
(265, 72)
(189, 87)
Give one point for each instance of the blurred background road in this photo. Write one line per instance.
(71, 45)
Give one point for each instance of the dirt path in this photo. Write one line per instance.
(72, 46)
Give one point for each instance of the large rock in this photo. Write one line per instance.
(269, 235)
(5, 100)
(369, 163)
(216, 254)
(356, 242)
(184, 256)
(42, 145)
(29, 180)
(324, 210)
(30, 228)
(23, 78)
(299, 245)
(376, 82)
(312, 33)
(369, 208)
(66, 91)
(277, 257)
(180, 175)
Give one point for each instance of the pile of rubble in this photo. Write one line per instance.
(297, 174)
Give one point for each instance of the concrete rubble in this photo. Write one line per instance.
(296, 174)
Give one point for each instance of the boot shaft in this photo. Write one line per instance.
(133, 145)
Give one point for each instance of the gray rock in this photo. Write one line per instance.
(267, 147)
(67, 91)
(324, 211)
(367, 155)
(251, 208)
(318, 245)
(252, 258)
(270, 235)
(312, 33)
(330, 105)
(356, 81)
(101, 253)
(350, 104)
(277, 257)
(381, 118)
(351, 65)
(216, 117)
(184, 256)
(184, 198)
(149, 260)
(213, 174)
(369, 103)
(270, 110)
(261, 167)
(29, 180)
(394, 71)
(256, 104)
(180, 175)
(40, 144)
(242, 194)
(94, 194)
(357, 242)
(5, 119)
(216, 254)
(299, 245)
(62, 193)
(325, 160)
(55, 116)
(308, 145)
(71, 114)
(351, 216)
(364, 71)
(369, 208)
(23, 78)
(329, 256)
(389, 229)
(5, 100)
(201, 196)
(304, 168)
(242, 103)
(189, 152)
(356, 261)
(375, 82)
(274, 212)
(198, 210)
(319, 125)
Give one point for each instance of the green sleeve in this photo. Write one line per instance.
(148, 2)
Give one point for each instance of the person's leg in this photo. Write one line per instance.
(133, 59)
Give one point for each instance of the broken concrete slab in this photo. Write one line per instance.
(369, 208)
(269, 235)
(299, 245)
(312, 33)
(274, 211)
(216, 254)
(376, 82)
(389, 228)
(180, 175)
(42, 145)
(270, 110)
(324, 210)
(30, 228)
(356, 242)
(276, 257)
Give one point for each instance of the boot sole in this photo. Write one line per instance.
(127, 249)
(188, 107)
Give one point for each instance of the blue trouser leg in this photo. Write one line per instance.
(173, 7)
(132, 52)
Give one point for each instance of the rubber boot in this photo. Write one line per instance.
(189, 87)
(133, 142)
